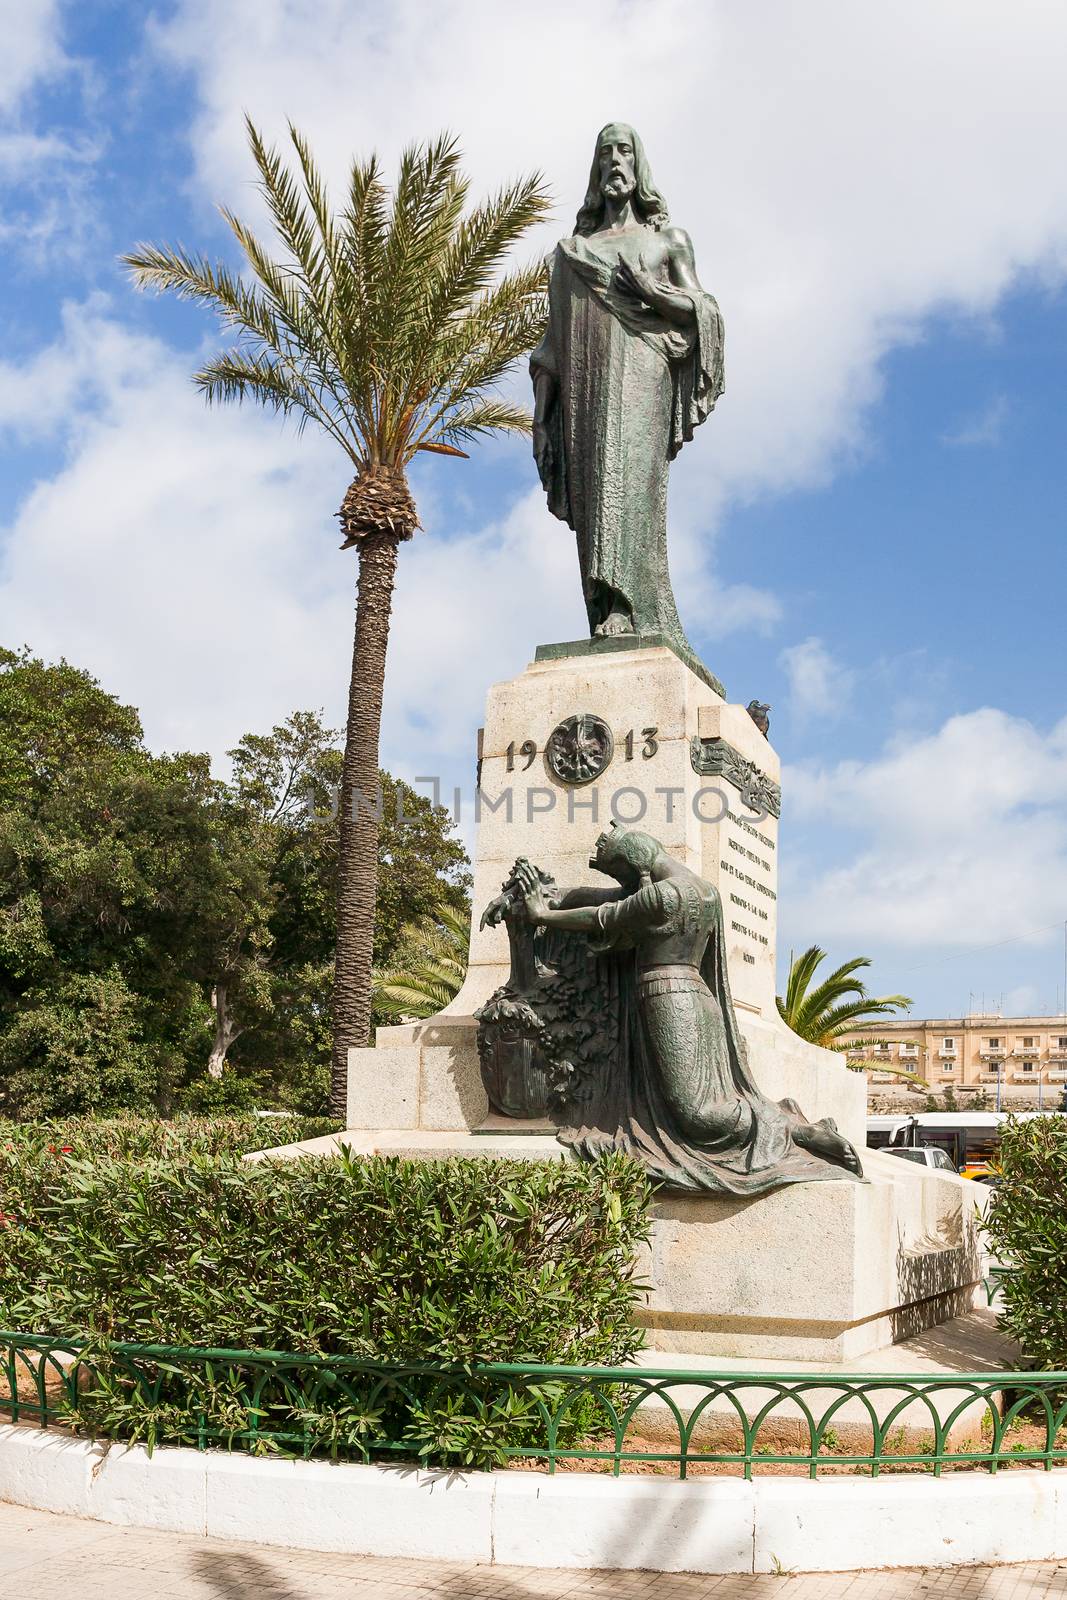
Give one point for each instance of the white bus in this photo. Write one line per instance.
(970, 1138)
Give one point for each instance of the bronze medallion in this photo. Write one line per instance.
(579, 749)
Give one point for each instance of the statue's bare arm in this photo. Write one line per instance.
(587, 895)
(544, 387)
(675, 304)
(579, 919)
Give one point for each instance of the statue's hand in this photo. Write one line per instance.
(536, 906)
(532, 892)
(637, 282)
(541, 448)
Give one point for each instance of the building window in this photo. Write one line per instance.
(994, 1044)
(1028, 1040)
(1028, 1066)
(1061, 1043)
(948, 1043)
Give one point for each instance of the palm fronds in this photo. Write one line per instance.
(431, 967)
(389, 323)
(833, 1009)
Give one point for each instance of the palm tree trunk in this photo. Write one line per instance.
(357, 866)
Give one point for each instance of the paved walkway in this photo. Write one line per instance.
(42, 1556)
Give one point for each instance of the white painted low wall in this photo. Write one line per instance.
(715, 1525)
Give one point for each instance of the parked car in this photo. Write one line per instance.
(927, 1155)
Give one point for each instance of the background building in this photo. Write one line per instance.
(1012, 1062)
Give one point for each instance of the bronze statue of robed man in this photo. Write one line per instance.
(631, 363)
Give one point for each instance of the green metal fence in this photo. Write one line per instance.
(606, 1419)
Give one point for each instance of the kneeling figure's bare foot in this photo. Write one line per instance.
(823, 1139)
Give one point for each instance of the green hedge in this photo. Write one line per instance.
(1027, 1232)
(455, 1261)
(89, 1138)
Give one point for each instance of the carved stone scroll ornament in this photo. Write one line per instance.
(714, 758)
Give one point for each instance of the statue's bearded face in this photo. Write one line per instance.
(616, 160)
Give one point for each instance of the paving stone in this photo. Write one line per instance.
(42, 1555)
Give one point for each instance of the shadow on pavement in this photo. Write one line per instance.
(233, 1576)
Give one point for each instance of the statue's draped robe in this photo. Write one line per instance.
(629, 390)
(620, 1099)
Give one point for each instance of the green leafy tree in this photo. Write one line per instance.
(132, 899)
(422, 866)
(388, 325)
(829, 1012)
(89, 1017)
(204, 892)
(166, 939)
(289, 780)
(76, 1045)
(431, 965)
(59, 731)
(285, 782)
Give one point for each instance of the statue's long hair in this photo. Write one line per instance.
(647, 200)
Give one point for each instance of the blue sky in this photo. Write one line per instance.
(869, 533)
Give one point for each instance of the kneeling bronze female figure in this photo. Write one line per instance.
(646, 1054)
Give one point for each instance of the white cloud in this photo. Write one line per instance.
(845, 168)
(182, 557)
(60, 389)
(32, 48)
(819, 686)
(957, 839)
(985, 427)
(45, 210)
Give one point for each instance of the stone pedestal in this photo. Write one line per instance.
(693, 770)
(821, 1271)
(814, 1272)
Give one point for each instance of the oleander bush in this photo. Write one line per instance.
(454, 1261)
(89, 1138)
(1027, 1232)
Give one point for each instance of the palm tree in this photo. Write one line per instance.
(831, 1012)
(389, 326)
(431, 968)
